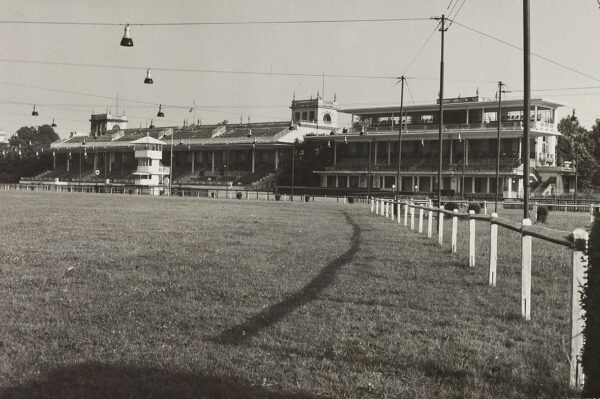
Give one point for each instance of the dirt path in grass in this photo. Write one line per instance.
(240, 333)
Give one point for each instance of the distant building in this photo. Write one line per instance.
(469, 149)
(363, 158)
(240, 154)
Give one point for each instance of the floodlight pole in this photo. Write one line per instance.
(526, 107)
(399, 136)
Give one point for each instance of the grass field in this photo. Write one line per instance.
(132, 296)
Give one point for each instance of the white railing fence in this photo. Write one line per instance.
(577, 241)
(216, 193)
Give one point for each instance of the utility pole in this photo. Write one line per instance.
(499, 120)
(293, 161)
(369, 171)
(526, 107)
(171, 165)
(400, 136)
(575, 140)
(441, 118)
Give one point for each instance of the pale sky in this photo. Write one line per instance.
(566, 32)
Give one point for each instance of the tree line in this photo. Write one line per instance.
(27, 153)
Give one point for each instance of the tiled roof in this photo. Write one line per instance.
(206, 134)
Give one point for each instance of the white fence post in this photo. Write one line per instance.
(376, 206)
(441, 226)
(471, 238)
(420, 220)
(412, 216)
(406, 214)
(429, 223)
(578, 280)
(526, 272)
(485, 207)
(493, 250)
(454, 230)
(372, 206)
(399, 211)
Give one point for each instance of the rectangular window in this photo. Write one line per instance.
(304, 115)
(312, 116)
(426, 118)
(490, 117)
(297, 117)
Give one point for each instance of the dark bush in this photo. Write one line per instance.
(591, 306)
(306, 198)
(451, 206)
(277, 196)
(474, 206)
(542, 214)
(351, 200)
(238, 195)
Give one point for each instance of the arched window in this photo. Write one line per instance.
(327, 118)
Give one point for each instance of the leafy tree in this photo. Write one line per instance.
(595, 138)
(591, 305)
(577, 145)
(27, 153)
(310, 156)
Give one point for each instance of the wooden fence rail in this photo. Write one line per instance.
(576, 240)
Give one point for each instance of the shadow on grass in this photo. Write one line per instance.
(238, 334)
(101, 380)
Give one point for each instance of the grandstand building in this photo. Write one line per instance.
(362, 158)
(368, 152)
(249, 155)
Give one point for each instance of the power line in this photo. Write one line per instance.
(192, 70)
(209, 23)
(447, 8)
(459, 8)
(224, 71)
(532, 53)
(453, 7)
(410, 93)
(128, 100)
(561, 88)
(421, 49)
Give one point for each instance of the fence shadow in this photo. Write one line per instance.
(101, 380)
(242, 332)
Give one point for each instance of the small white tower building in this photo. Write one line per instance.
(150, 172)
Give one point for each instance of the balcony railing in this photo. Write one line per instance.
(506, 125)
(154, 170)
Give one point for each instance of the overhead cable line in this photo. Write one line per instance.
(127, 99)
(421, 49)
(456, 14)
(208, 23)
(448, 7)
(532, 53)
(192, 70)
(224, 71)
(410, 93)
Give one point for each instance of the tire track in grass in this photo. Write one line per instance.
(240, 333)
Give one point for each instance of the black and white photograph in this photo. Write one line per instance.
(229, 199)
